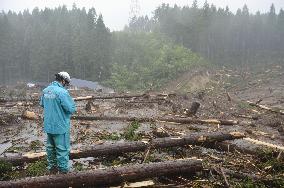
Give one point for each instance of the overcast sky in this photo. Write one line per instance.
(116, 12)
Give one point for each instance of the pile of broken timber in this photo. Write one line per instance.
(118, 148)
(118, 175)
(110, 176)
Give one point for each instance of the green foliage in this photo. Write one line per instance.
(248, 183)
(37, 168)
(268, 162)
(130, 133)
(150, 158)
(273, 165)
(5, 168)
(15, 149)
(78, 166)
(148, 60)
(36, 144)
(111, 136)
(14, 174)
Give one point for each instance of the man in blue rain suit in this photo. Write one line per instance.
(58, 108)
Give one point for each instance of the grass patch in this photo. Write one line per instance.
(38, 168)
(78, 166)
(35, 145)
(110, 136)
(268, 161)
(14, 149)
(249, 183)
(5, 169)
(130, 132)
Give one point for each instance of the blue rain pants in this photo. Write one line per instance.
(58, 149)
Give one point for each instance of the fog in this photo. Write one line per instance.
(116, 13)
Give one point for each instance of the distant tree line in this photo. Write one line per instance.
(218, 34)
(35, 45)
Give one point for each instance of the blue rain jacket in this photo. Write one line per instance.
(58, 107)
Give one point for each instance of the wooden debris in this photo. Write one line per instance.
(246, 116)
(229, 96)
(238, 175)
(225, 178)
(118, 148)
(7, 105)
(279, 157)
(146, 119)
(8, 119)
(193, 109)
(5, 146)
(107, 97)
(160, 132)
(227, 146)
(109, 176)
(265, 144)
(266, 108)
(139, 184)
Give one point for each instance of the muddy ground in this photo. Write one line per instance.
(222, 94)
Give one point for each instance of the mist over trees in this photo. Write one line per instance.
(147, 53)
(218, 34)
(35, 45)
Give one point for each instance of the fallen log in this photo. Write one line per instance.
(237, 174)
(107, 97)
(193, 109)
(147, 119)
(118, 148)
(17, 104)
(110, 176)
(19, 100)
(227, 146)
(259, 149)
(275, 110)
(265, 144)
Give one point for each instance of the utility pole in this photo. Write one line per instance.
(134, 9)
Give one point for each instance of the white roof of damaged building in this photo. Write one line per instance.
(88, 84)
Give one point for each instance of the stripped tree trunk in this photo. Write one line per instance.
(275, 110)
(124, 147)
(109, 176)
(107, 97)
